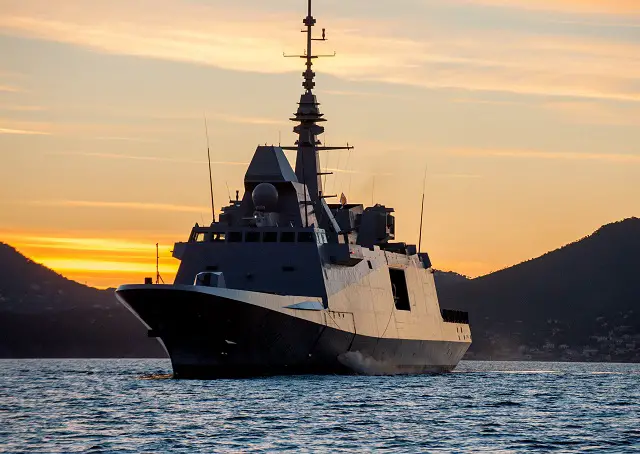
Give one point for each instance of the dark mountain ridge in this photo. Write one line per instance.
(579, 302)
(43, 314)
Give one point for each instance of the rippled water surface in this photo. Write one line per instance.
(127, 406)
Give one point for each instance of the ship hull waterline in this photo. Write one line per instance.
(209, 336)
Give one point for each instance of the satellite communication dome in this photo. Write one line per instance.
(265, 197)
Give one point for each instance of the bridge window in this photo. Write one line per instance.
(306, 237)
(235, 237)
(218, 237)
(252, 237)
(270, 237)
(200, 237)
(287, 237)
(399, 288)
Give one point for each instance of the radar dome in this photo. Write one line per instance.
(265, 197)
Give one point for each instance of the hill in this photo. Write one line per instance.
(43, 314)
(579, 302)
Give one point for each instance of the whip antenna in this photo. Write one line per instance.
(158, 277)
(206, 130)
(424, 184)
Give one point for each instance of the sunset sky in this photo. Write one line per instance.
(525, 112)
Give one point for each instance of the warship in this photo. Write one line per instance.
(284, 282)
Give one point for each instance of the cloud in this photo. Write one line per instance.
(620, 158)
(127, 139)
(77, 129)
(455, 175)
(123, 131)
(432, 56)
(144, 158)
(64, 264)
(488, 102)
(83, 244)
(101, 260)
(240, 119)
(10, 89)
(360, 94)
(20, 108)
(167, 30)
(593, 113)
(121, 205)
(617, 7)
(23, 132)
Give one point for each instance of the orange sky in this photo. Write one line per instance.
(526, 113)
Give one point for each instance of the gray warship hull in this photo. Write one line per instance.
(213, 336)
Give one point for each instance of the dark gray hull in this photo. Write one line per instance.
(208, 336)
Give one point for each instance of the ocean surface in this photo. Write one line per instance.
(129, 406)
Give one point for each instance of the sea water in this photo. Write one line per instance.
(132, 406)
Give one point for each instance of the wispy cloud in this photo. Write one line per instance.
(598, 24)
(102, 260)
(10, 89)
(618, 7)
(76, 243)
(23, 132)
(144, 158)
(21, 108)
(455, 175)
(433, 57)
(121, 205)
(75, 129)
(63, 253)
(535, 154)
(593, 113)
(126, 266)
(240, 119)
(175, 31)
(127, 139)
(360, 94)
(488, 102)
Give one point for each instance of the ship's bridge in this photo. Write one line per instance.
(221, 234)
(275, 260)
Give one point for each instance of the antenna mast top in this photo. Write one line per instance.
(309, 75)
(309, 21)
(309, 118)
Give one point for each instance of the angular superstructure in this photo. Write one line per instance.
(285, 283)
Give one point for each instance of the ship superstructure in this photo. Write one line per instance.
(286, 283)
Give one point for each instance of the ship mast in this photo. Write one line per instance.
(308, 116)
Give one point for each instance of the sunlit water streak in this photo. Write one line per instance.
(131, 406)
